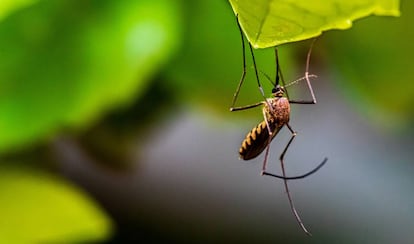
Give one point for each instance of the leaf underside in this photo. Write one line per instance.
(268, 23)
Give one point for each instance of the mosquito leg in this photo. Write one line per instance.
(269, 140)
(267, 156)
(257, 78)
(283, 155)
(307, 71)
(302, 101)
(265, 160)
(246, 107)
(298, 176)
(268, 126)
(307, 75)
(236, 93)
(292, 206)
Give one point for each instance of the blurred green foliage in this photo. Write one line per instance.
(374, 61)
(36, 207)
(64, 62)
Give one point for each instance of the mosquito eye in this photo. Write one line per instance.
(274, 90)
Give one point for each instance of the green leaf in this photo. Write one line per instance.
(268, 23)
(64, 63)
(36, 207)
(8, 6)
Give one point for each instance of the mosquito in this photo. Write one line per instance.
(276, 113)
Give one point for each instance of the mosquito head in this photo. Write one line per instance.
(278, 91)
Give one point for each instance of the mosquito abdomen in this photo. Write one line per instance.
(257, 140)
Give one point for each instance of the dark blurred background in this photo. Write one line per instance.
(115, 128)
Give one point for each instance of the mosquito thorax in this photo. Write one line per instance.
(278, 91)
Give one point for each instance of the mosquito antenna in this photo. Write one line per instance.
(300, 79)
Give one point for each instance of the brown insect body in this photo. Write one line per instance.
(277, 116)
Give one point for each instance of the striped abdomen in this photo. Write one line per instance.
(257, 140)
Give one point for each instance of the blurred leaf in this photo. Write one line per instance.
(8, 6)
(39, 208)
(268, 23)
(63, 63)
